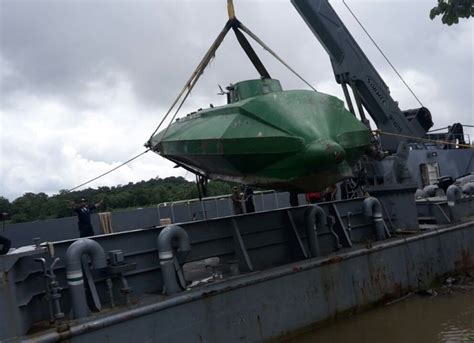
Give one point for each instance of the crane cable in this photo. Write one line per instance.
(278, 58)
(108, 172)
(421, 139)
(194, 78)
(380, 50)
(196, 74)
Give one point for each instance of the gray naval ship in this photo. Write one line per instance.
(191, 271)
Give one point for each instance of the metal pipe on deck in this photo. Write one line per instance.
(468, 188)
(373, 208)
(165, 250)
(453, 195)
(314, 218)
(427, 192)
(74, 275)
(465, 179)
(430, 190)
(419, 194)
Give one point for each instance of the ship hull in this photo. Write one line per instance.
(276, 302)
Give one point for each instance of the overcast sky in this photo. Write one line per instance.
(84, 83)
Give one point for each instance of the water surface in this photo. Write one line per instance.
(446, 318)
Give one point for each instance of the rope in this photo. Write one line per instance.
(441, 128)
(193, 78)
(447, 127)
(108, 172)
(380, 132)
(380, 50)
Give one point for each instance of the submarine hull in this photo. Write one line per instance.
(294, 140)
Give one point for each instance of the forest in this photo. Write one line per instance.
(38, 206)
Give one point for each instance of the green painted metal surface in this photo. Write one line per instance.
(296, 140)
(251, 88)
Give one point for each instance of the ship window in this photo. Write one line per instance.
(429, 173)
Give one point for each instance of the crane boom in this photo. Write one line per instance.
(352, 67)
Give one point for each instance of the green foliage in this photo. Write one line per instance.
(5, 206)
(218, 188)
(40, 206)
(30, 205)
(452, 10)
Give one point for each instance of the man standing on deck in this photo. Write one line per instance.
(83, 211)
(236, 198)
(248, 197)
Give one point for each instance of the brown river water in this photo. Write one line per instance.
(446, 318)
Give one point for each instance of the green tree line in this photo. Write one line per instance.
(39, 206)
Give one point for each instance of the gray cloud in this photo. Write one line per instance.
(57, 47)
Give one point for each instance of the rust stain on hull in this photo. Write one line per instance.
(465, 262)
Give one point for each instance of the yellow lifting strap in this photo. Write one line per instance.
(230, 9)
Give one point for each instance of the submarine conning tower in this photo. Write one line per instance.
(250, 88)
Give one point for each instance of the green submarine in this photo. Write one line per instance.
(297, 140)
